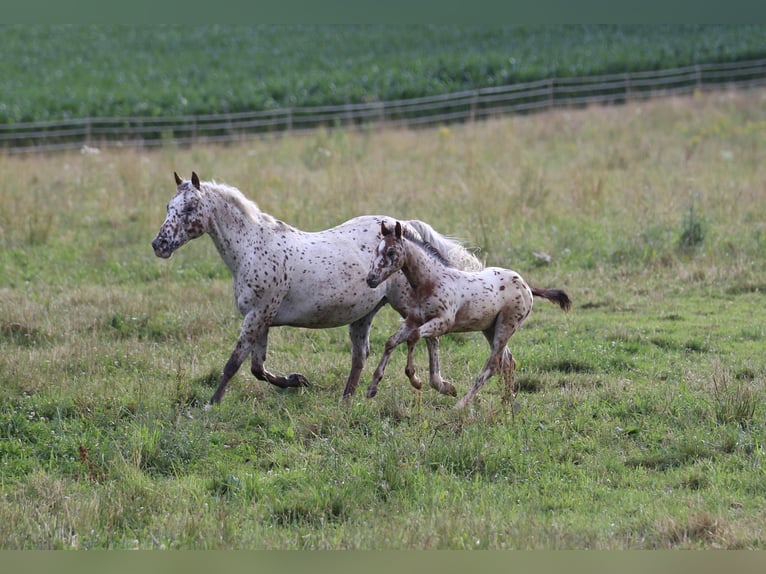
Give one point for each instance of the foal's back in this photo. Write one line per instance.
(477, 298)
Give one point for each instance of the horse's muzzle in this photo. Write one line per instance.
(161, 248)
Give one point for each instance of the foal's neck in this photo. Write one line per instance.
(419, 266)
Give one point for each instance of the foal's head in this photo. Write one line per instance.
(389, 256)
(185, 219)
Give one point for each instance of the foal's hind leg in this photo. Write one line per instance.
(498, 336)
(490, 368)
(508, 372)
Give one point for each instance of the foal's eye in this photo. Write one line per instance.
(391, 252)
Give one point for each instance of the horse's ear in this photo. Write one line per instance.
(179, 181)
(383, 229)
(398, 230)
(195, 180)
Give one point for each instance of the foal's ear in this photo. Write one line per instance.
(383, 229)
(398, 230)
(179, 181)
(195, 180)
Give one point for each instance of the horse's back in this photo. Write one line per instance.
(326, 273)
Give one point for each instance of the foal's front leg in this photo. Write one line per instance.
(397, 338)
(435, 376)
(410, 369)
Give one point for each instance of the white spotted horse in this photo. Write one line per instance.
(286, 276)
(495, 301)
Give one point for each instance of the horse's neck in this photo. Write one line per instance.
(232, 232)
(419, 267)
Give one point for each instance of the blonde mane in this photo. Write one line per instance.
(236, 198)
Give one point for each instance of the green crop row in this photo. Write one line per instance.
(51, 72)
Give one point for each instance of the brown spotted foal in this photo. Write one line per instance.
(494, 301)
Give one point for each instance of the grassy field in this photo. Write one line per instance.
(171, 70)
(639, 420)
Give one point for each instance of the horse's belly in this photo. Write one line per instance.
(320, 312)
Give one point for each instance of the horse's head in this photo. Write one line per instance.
(185, 218)
(389, 256)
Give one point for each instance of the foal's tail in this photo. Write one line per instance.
(554, 296)
(450, 248)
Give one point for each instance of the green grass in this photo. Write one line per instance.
(639, 420)
(169, 70)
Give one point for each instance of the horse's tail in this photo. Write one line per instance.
(449, 247)
(554, 296)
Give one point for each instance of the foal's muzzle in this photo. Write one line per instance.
(372, 281)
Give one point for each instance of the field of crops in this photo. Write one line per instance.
(52, 72)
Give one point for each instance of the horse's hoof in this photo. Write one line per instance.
(371, 392)
(298, 380)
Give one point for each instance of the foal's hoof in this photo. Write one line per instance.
(448, 389)
(416, 383)
(371, 392)
(445, 388)
(462, 403)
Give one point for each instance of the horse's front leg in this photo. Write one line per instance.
(250, 332)
(259, 370)
(393, 341)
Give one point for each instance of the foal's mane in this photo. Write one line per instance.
(427, 247)
(238, 199)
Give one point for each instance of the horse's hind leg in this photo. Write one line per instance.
(359, 332)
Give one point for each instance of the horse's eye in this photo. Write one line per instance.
(391, 252)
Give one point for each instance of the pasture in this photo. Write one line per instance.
(639, 418)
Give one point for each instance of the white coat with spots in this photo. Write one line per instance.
(285, 276)
(494, 301)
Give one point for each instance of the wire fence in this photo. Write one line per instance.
(469, 105)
